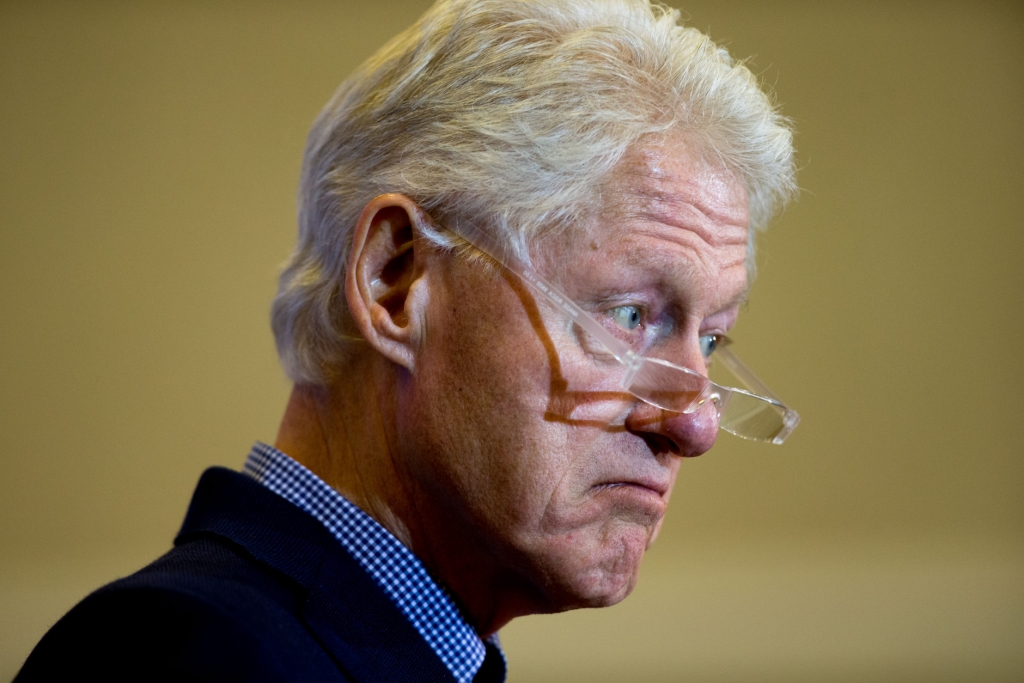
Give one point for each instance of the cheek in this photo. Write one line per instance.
(474, 416)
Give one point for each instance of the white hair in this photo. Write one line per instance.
(510, 114)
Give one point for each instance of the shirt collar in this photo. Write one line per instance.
(400, 574)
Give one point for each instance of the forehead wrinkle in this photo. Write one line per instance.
(687, 267)
(651, 193)
(700, 245)
(684, 269)
(651, 183)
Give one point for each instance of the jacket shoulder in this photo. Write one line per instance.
(204, 611)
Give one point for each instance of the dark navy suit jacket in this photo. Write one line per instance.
(254, 590)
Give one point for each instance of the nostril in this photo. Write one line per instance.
(692, 434)
(660, 444)
(683, 434)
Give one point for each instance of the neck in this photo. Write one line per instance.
(345, 434)
(340, 434)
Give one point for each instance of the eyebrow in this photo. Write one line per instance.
(673, 275)
(738, 299)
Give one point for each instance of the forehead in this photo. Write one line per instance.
(670, 218)
(670, 182)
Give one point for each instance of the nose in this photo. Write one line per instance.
(684, 434)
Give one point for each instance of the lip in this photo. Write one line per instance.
(639, 502)
(655, 486)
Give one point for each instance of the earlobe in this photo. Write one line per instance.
(384, 284)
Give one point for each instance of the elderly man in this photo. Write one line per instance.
(525, 228)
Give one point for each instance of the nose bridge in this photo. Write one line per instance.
(683, 347)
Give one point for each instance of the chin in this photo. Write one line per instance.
(605, 577)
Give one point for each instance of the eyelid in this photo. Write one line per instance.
(721, 321)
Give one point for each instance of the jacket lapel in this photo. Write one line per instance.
(369, 638)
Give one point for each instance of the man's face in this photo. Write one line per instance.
(514, 420)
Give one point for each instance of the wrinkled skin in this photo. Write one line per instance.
(495, 441)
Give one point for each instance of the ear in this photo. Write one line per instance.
(385, 287)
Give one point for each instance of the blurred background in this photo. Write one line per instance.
(149, 155)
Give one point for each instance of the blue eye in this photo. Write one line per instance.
(627, 316)
(708, 344)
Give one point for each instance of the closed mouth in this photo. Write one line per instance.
(631, 484)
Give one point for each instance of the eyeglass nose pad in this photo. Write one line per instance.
(711, 393)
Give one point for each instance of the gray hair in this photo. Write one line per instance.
(510, 114)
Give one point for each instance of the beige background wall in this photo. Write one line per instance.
(148, 162)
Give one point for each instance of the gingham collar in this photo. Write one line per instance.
(427, 606)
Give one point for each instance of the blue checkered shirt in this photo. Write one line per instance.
(427, 606)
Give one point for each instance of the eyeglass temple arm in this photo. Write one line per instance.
(531, 277)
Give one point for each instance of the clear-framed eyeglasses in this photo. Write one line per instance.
(752, 412)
